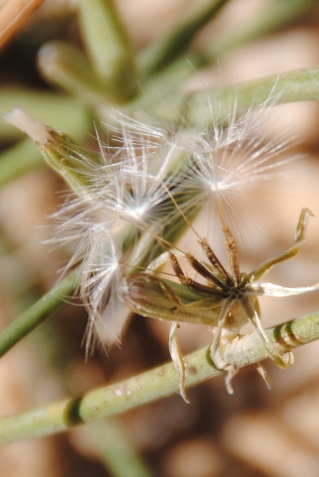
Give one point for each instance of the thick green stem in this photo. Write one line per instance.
(152, 385)
(204, 108)
(300, 85)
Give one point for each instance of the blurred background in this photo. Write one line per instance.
(255, 432)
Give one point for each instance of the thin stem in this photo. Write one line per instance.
(152, 385)
(108, 46)
(65, 66)
(37, 313)
(169, 47)
(165, 80)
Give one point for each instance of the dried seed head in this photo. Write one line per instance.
(134, 198)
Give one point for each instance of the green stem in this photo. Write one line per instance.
(108, 46)
(166, 80)
(152, 385)
(203, 108)
(169, 47)
(37, 313)
(65, 66)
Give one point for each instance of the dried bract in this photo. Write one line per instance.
(226, 301)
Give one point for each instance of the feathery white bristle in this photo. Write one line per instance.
(129, 199)
(26, 123)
